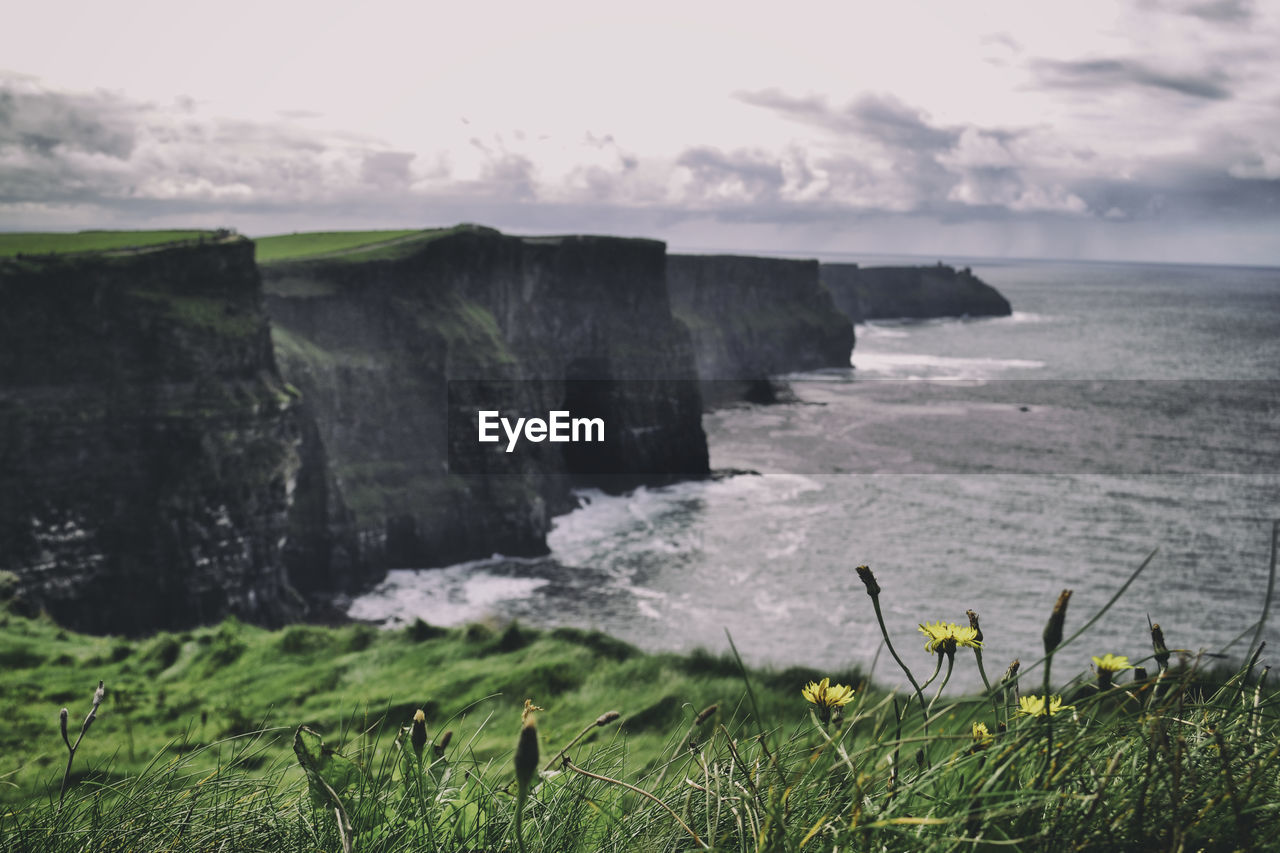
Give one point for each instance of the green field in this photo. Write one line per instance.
(292, 247)
(44, 243)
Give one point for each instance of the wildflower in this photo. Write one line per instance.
(827, 696)
(1034, 706)
(1111, 663)
(824, 694)
(1107, 666)
(982, 738)
(948, 636)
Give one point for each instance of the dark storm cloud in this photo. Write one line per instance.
(1100, 74)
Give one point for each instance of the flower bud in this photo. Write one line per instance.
(526, 756)
(418, 734)
(869, 580)
(973, 623)
(443, 744)
(1053, 629)
(1157, 645)
(607, 717)
(704, 714)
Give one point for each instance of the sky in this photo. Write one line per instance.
(1121, 130)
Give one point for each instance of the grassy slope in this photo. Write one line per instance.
(172, 692)
(41, 243)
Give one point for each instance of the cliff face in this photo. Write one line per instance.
(881, 293)
(753, 318)
(394, 351)
(148, 448)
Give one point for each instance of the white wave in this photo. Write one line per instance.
(885, 365)
(871, 331)
(450, 596)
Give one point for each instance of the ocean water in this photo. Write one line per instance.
(980, 464)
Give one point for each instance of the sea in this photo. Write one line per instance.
(1125, 413)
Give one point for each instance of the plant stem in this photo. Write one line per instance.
(875, 603)
(642, 792)
(951, 663)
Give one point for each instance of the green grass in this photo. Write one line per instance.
(351, 246)
(232, 737)
(292, 247)
(43, 243)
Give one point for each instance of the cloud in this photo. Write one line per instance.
(1101, 74)
(1233, 12)
(387, 169)
(104, 160)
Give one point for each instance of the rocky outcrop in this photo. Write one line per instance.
(754, 318)
(394, 350)
(148, 447)
(881, 293)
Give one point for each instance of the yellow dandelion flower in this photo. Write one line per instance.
(948, 636)
(1034, 706)
(826, 695)
(981, 737)
(1111, 663)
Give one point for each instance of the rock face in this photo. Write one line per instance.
(148, 447)
(394, 351)
(753, 318)
(881, 293)
(184, 435)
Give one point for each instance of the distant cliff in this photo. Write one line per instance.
(753, 318)
(148, 447)
(387, 346)
(881, 293)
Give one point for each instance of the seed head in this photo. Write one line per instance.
(443, 744)
(704, 714)
(607, 717)
(1053, 629)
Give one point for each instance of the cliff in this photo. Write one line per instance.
(148, 448)
(881, 293)
(396, 347)
(753, 318)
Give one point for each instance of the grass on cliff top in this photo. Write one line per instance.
(299, 246)
(44, 243)
(176, 695)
